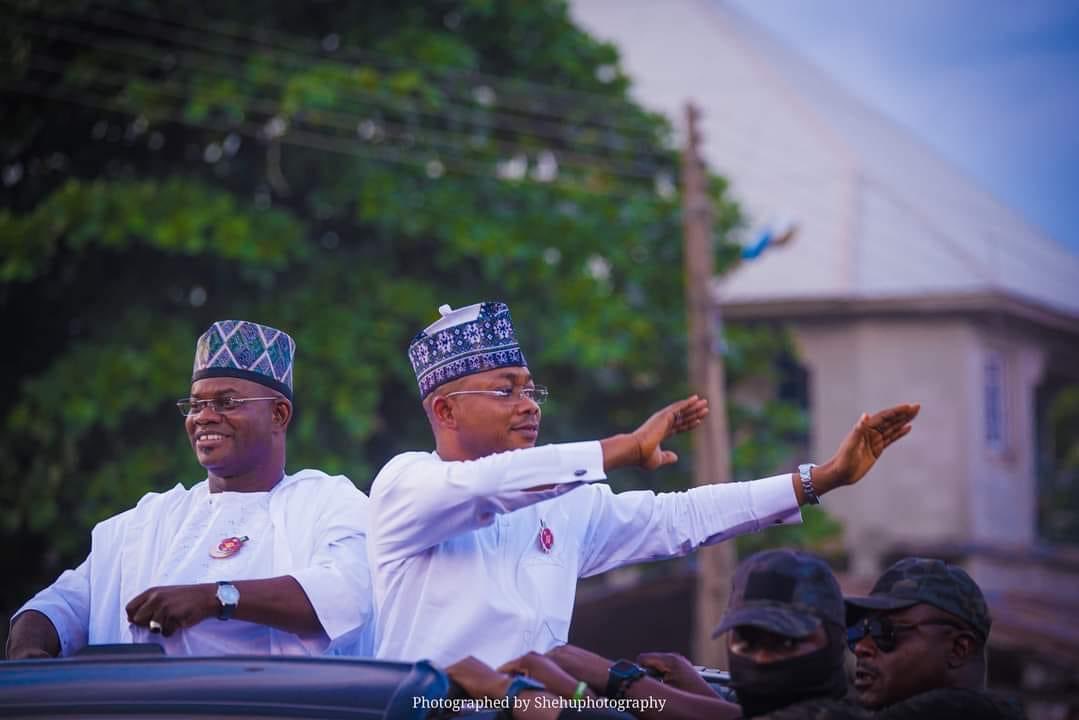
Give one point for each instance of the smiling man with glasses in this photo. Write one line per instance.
(281, 557)
(476, 548)
(920, 639)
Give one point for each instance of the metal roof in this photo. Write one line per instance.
(881, 215)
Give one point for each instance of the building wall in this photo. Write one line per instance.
(1002, 481)
(919, 491)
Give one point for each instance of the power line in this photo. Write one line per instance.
(317, 141)
(291, 58)
(502, 120)
(379, 103)
(292, 44)
(445, 142)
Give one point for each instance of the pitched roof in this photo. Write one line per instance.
(880, 214)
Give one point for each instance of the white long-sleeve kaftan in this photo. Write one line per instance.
(459, 569)
(310, 525)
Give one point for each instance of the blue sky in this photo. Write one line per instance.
(991, 85)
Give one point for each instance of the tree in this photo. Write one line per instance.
(337, 170)
(1058, 496)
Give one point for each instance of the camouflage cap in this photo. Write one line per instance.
(786, 592)
(924, 580)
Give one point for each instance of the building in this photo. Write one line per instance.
(906, 283)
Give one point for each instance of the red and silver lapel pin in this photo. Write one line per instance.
(228, 547)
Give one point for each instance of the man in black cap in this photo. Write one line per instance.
(920, 639)
(785, 620)
(786, 643)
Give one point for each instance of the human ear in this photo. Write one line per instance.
(282, 413)
(963, 648)
(442, 411)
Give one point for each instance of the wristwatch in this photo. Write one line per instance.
(519, 684)
(229, 597)
(620, 676)
(805, 472)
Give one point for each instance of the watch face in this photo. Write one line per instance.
(626, 669)
(228, 594)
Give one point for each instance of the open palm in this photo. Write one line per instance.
(867, 440)
(678, 417)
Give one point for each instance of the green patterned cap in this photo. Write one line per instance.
(914, 580)
(246, 350)
(786, 592)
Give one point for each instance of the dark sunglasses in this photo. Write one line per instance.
(885, 632)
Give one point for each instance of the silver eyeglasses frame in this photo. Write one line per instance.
(537, 394)
(194, 407)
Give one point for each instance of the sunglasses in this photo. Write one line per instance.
(885, 632)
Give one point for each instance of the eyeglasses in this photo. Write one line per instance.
(218, 405)
(537, 394)
(884, 632)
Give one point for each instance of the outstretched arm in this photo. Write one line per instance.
(419, 501)
(641, 526)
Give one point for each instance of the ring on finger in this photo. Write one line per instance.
(155, 627)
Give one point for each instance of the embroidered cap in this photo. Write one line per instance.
(246, 350)
(464, 342)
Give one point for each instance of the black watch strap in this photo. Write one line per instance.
(621, 676)
(225, 609)
(519, 684)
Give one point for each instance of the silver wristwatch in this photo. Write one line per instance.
(807, 483)
(229, 597)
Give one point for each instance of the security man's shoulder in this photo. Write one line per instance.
(953, 703)
(819, 709)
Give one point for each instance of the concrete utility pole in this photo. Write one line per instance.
(711, 452)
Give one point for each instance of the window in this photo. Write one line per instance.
(996, 421)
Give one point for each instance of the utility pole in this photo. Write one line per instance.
(711, 451)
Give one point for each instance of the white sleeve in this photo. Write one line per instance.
(418, 500)
(638, 526)
(337, 580)
(67, 605)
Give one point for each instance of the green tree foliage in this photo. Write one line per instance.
(1058, 497)
(337, 170)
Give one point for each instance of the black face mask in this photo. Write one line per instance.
(765, 687)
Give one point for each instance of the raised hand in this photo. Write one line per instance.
(678, 417)
(863, 445)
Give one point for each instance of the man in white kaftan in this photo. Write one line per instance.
(281, 557)
(309, 526)
(476, 548)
